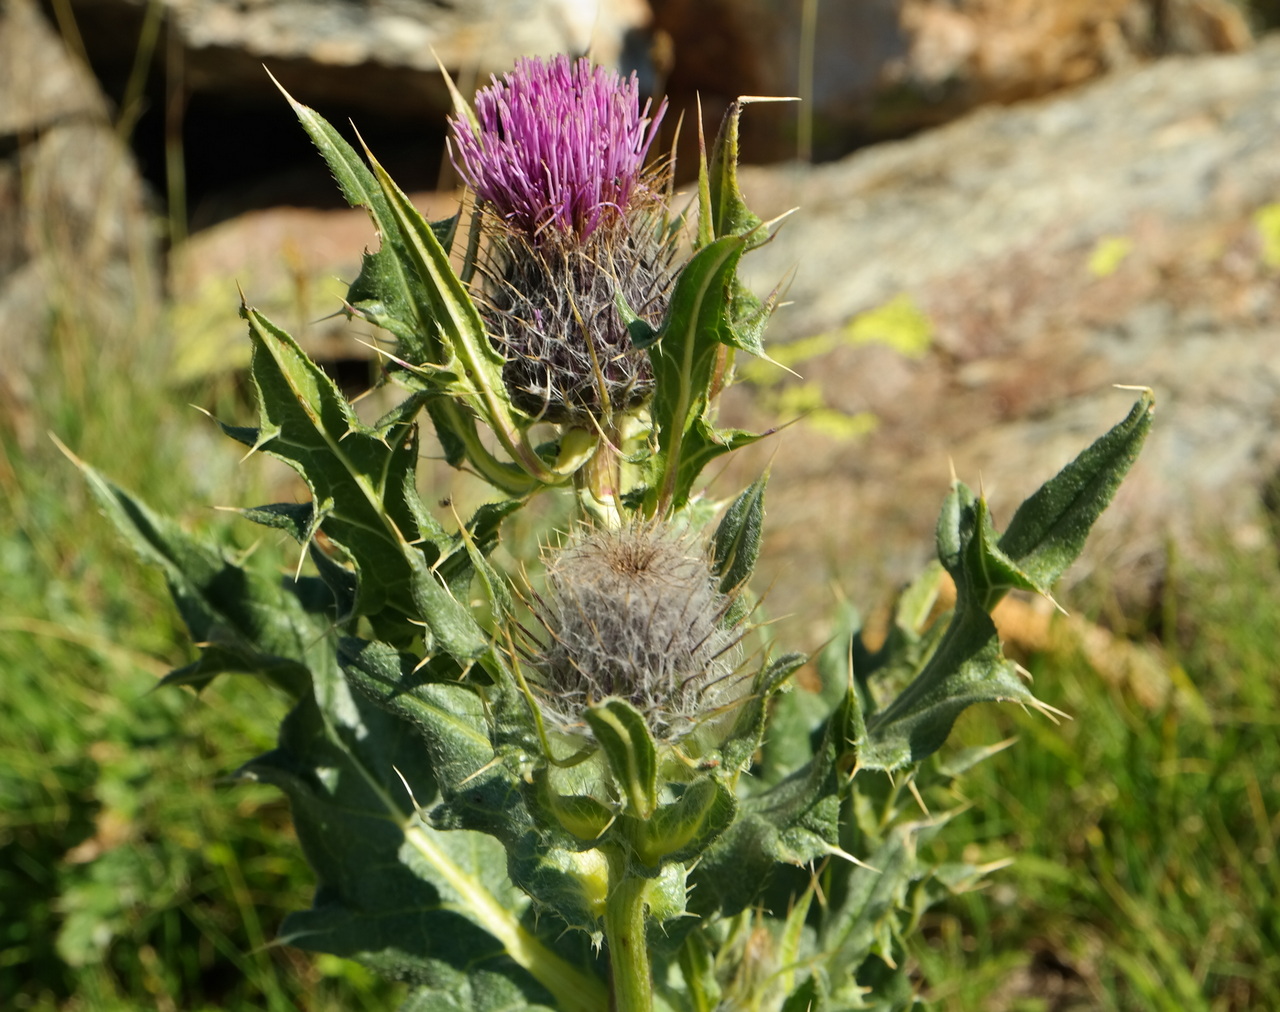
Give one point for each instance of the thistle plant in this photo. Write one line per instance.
(588, 784)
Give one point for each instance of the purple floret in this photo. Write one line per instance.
(561, 144)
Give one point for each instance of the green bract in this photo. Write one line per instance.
(578, 795)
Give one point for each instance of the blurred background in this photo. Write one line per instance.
(1004, 208)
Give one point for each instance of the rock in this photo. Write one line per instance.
(372, 56)
(78, 252)
(886, 68)
(1026, 259)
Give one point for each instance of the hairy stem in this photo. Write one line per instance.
(624, 931)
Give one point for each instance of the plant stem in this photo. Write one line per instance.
(624, 931)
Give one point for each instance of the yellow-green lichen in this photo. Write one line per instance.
(1109, 252)
(1267, 220)
(899, 323)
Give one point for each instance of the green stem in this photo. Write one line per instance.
(624, 931)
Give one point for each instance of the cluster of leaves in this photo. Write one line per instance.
(453, 838)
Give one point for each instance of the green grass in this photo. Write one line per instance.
(1144, 835)
(132, 875)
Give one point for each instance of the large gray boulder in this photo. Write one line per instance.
(1028, 258)
(78, 246)
(883, 68)
(379, 56)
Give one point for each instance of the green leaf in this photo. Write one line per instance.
(967, 667)
(729, 212)
(394, 892)
(1048, 531)
(861, 915)
(740, 746)
(1046, 535)
(387, 292)
(441, 296)
(409, 288)
(363, 477)
(357, 473)
(473, 991)
(682, 830)
(795, 822)
(723, 212)
(300, 520)
(449, 715)
(480, 758)
(738, 538)
(628, 746)
(470, 368)
(245, 620)
(797, 718)
(686, 359)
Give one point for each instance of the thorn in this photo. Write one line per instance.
(990, 866)
(1053, 601)
(495, 761)
(915, 793)
(367, 152)
(835, 851)
(66, 452)
(816, 886)
(417, 808)
(279, 85)
(1052, 712)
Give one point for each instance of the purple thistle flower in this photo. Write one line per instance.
(576, 222)
(560, 144)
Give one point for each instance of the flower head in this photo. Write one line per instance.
(556, 158)
(636, 613)
(560, 145)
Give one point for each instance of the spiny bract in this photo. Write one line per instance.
(636, 613)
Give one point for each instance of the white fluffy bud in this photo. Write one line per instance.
(636, 613)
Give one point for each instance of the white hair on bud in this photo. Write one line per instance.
(636, 613)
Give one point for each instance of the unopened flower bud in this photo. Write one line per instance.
(637, 614)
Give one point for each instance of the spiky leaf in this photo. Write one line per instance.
(245, 619)
(685, 361)
(967, 665)
(408, 288)
(394, 892)
(738, 538)
(387, 292)
(1048, 531)
(362, 477)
